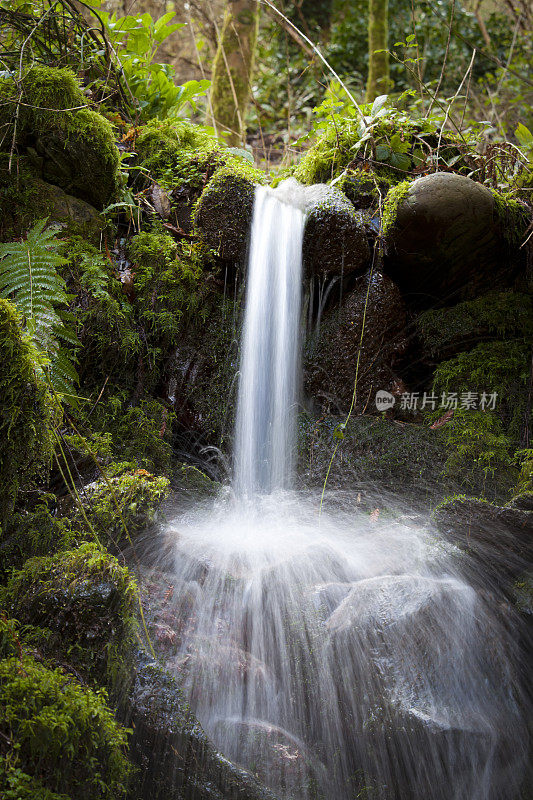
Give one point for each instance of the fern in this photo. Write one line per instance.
(29, 276)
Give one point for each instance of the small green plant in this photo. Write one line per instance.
(29, 275)
(136, 39)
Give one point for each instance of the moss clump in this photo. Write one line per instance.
(176, 152)
(122, 506)
(513, 218)
(394, 199)
(27, 412)
(62, 738)
(35, 532)
(73, 144)
(496, 314)
(223, 214)
(84, 602)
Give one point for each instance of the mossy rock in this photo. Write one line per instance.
(334, 237)
(119, 508)
(34, 532)
(331, 359)
(176, 758)
(446, 331)
(448, 237)
(190, 483)
(26, 198)
(499, 537)
(224, 215)
(72, 145)
(84, 602)
(375, 456)
(27, 412)
(64, 740)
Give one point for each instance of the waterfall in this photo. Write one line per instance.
(342, 660)
(264, 441)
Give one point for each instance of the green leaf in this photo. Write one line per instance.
(382, 152)
(378, 104)
(524, 135)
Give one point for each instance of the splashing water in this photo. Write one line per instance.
(342, 660)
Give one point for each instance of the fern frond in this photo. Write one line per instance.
(29, 276)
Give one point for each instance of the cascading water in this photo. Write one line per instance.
(340, 659)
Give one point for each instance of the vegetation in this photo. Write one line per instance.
(124, 230)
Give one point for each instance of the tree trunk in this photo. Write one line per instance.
(378, 63)
(232, 69)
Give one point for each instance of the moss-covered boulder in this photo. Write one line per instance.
(59, 740)
(175, 756)
(444, 332)
(334, 237)
(71, 145)
(83, 603)
(224, 215)
(500, 537)
(27, 412)
(447, 236)
(120, 507)
(332, 361)
(376, 457)
(26, 198)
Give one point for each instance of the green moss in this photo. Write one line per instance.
(35, 532)
(394, 199)
(176, 152)
(223, 214)
(141, 434)
(26, 198)
(85, 603)
(512, 216)
(120, 507)
(64, 739)
(74, 144)
(27, 413)
(499, 314)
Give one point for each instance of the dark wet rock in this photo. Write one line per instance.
(224, 214)
(174, 756)
(522, 502)
(328, 596)
(330, 363)
(334, 237)
(500, 537)
(191, 483)
(416, 685)
(448, 236)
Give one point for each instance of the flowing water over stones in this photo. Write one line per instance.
(336, 656)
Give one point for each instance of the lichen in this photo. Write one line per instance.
(63, 737)
(27, 413)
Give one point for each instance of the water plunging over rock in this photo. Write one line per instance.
(334, 655)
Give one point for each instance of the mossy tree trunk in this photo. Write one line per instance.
(232, 68)
(378, 62)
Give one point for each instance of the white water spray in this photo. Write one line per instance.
(342, 660)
